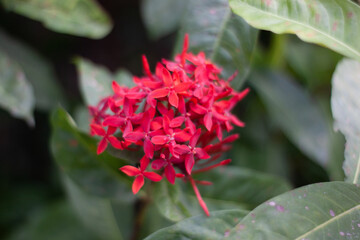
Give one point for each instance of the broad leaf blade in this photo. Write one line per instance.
(241, 185)
(56, 222)
(101, 215)
(296, 113)
(75, 153)
(225, 38)
(77, 17)
(334, 24)
(319, 211)
(95, 81)
(16, 93)
(201, 227)
(162, 17)
(345, 104)
(38, 71)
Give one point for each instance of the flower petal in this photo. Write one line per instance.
(97, 129)
(174, 99)
(138, 183)
(200, 153)
(148, 148)
(159, 93)
(194, 139)
(102, 146)
(182, 136)
(153, 176)
(115, 142)
(144, 162)
(170, 173)
(114, 121)
(168, 81)
(208, 121)
(130, 170)
(159, 140)
(158, 164)
(134, 136)
(189, 162)
(177, 122)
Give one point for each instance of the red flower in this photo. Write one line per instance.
(140, 173)
(174, 116)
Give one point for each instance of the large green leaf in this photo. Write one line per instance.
(108, 218)
(75, 152)
(162, 17)
(77, 17)
(225, 38)
(201, 227)
(95, 81)
(38, 71)
(345, 103)
(241, 185)
(233, 188)
(296, 113)
(16, 93)
(319, 211)
(56, 222)
(334, 24)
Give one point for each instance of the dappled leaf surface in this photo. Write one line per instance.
(296, 113)
(216, 226)
(161, 17)
(334, 24)
(225, 38)
(75, 153)
(319, 211)
(48, 93)
(16, 93)
(345, 103)
(77, 17)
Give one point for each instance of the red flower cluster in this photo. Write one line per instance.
(175, 115)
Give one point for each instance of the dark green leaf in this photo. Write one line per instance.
(345, 104)
(215, 227)
(16, 93)
(296, 113)
(333, 24)
(75, 153)
(77, 17)
(109, 219)
(241, 185)
(319, 211)
(225, 38)
(162, 17)
(95, 81)
(38, 71)
(55, 222)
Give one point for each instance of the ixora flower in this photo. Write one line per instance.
(176, 116)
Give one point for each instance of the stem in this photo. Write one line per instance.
(140, 210)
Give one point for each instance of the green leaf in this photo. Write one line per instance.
(16, 93)
(175, 203)
(75, 152)
(109, 219)
(95, 81)
(162, 17)
(319, 211)
(56, 222)
(333, 24)
(241, 185)
(76, 17)
(170, 201)
(345, 104)
(215, 227)
(296, 113)
(38, 71)
(225, 38)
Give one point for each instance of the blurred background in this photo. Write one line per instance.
(283, 67)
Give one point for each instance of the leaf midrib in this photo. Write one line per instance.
(304, 25)
(357, 207)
